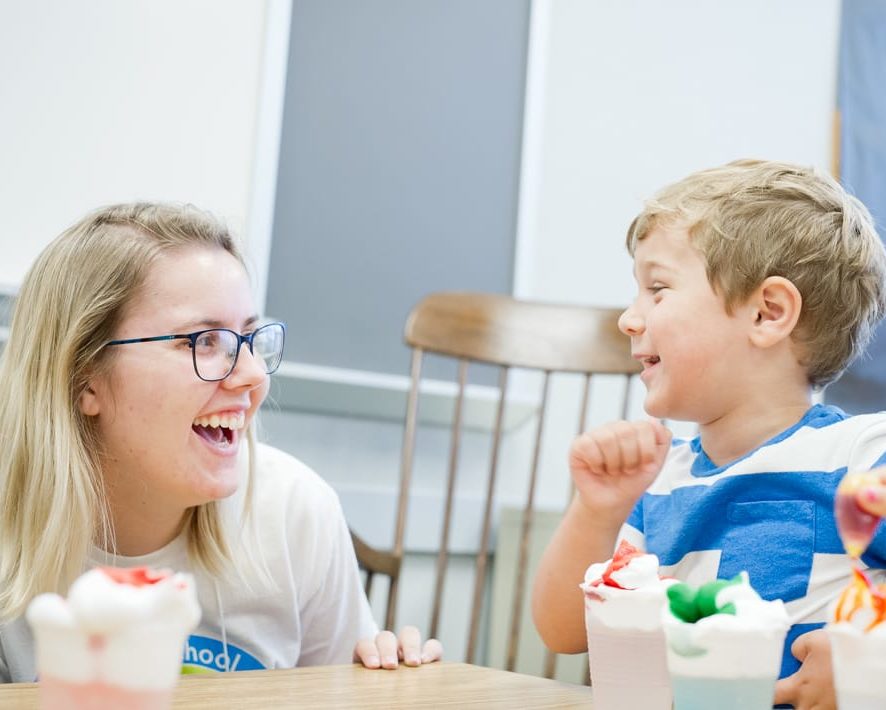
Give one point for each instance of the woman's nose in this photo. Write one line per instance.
(249, 370)
(630, 322)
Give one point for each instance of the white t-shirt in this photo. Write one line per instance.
(315, 616)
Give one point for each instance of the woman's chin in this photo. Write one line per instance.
(222, 489)
(217, 484)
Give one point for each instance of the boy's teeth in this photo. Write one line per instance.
(228, 421)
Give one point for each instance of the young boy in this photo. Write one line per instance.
(757, 283)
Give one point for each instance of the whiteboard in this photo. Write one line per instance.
(107, 101)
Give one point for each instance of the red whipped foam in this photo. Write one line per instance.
(625, 592)
(623, 557)
(136, 576)
(629, 569)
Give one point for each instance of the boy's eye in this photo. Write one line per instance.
(655, 288)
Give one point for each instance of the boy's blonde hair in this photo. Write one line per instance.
(52, 503)
(753, 219)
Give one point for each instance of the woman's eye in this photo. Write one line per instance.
(656, 288)
(207, 341)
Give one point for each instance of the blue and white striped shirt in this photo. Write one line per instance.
(770, 512)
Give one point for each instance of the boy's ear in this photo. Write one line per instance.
(776, 303)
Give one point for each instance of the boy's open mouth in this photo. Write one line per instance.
(650, 361)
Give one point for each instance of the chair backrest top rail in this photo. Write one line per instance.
(500, 330)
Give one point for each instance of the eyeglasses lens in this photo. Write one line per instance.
(267, 346)
(215, 351)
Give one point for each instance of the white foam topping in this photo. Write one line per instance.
(634, 604)
(747, 644)
(113, 632)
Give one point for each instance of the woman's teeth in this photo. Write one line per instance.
(228, 421)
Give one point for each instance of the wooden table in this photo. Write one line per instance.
(454, 685)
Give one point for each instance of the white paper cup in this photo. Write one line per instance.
(112, 646)
(135, 668)
(723, 668)
(628, 667)
(859, 661)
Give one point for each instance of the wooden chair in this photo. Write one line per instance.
(508, 333)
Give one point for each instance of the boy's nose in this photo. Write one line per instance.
(630, 322)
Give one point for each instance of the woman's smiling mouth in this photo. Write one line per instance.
(219, 430)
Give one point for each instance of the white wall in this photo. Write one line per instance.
(114, 100)
(639, 93)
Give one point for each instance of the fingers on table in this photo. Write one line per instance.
(387, 643)
(387, 650)
(411, 650)
(432, 651)
(410, 646)
(366, 653)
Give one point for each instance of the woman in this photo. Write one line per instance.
(135, 365)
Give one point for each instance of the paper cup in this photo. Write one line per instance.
(112, 646)
(859, 667)
(136, 668)
(723, 668)
(628, 667)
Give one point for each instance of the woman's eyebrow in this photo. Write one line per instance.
(209, 323)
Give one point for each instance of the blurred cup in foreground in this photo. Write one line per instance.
(115, 642)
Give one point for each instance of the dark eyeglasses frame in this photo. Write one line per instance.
(192, 337)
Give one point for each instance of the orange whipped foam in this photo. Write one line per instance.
(862, 595)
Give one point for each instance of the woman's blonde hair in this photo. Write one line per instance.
(52, 505)
(753, 219)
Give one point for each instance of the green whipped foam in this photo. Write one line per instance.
(690, 604)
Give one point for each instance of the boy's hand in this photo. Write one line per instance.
(387, 650)
(613, 464)
(811, 687)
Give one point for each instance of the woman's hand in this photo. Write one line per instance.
(387, 650)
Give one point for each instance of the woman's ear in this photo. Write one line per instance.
(777, 304)
(89, 402)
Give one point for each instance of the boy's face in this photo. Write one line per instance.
(692, 351)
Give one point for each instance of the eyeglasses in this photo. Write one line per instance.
(215, 351)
